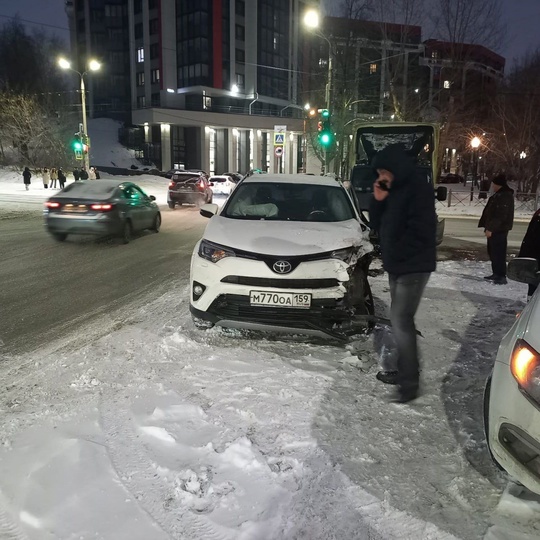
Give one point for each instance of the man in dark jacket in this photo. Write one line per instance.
(530, 247)
(497, 219)
(403, 213)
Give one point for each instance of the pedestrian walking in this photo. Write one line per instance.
(61, 178)
(530, 247)
(84, 174)
(46, 175)
(497, 220)
(403, 213)
(26, 178)
(76, 174)
(54, 177)
(92, 174)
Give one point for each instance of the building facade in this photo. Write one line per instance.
(208, 80)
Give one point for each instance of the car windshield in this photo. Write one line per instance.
(185, 178)
(289, 202)
(218, 179)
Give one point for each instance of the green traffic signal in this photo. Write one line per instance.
(325, 113)
(325, 138)
(77, 145)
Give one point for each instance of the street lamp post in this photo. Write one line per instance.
(311, 21)
(93, 65)
(475, 144)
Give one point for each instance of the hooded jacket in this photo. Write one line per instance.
(406, 219)
(498, 215)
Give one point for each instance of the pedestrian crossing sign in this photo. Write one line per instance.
(279, 139)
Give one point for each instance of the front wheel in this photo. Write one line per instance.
(157, 223)
(127, 232)
(59, 237)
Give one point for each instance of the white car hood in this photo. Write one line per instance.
(286, 238)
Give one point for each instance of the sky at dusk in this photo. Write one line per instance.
(522, 17)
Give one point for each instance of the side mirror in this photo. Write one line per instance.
(441, 193)
(152, 198)
(211, 184)
(524, 270)
(209, 210)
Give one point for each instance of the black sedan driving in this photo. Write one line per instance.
(101, 208)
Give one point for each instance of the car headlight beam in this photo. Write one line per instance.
(214, 252)
(525, 367)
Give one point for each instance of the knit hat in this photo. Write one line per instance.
(499, 179)
(395, 159)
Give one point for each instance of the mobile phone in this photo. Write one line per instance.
(383, 185)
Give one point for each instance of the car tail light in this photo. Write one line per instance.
(172, 184)
(51, 204)
(102, 207)
(200, 185)
(525, 367)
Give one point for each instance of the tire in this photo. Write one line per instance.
(172, 204)
(157, 223)
(59, 237)
(201, 324)
(127, 232)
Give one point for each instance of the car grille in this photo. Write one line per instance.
(323, 312)
(282, 283)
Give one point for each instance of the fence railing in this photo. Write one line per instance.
(524, 202)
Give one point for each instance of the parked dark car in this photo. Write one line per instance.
(107, 207)
(451, 178)
(235, 177)
(189, 188)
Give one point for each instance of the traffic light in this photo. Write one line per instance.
(77, 145)
(326, 135)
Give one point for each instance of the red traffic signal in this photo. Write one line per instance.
(320, 126)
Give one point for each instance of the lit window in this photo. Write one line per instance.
(447, 84)
(434, 54)
(140, 54)
(155, 76)
(373, 68)
(140, 79)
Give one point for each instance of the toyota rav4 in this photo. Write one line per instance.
(286, 253)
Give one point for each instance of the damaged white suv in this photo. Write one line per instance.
(286, 253)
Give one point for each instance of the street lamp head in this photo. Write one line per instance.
(416, 90)
(523, 155)
(63, 63)
(311, 18)
(235, 89)
(94, 65)
(312, 112)
(475, 143)
(307, 106)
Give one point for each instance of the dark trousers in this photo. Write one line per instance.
(496, 246)
(406, 292)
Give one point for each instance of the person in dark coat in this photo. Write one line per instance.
(497, 220)
(84, 174)
(530, 247)
(61, 178)
(76, 174)
(26, 178)
(403, 213)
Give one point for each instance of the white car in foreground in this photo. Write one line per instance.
(286, 253)
(512, 397)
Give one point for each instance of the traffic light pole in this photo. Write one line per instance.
(328, 97)
(85, 130)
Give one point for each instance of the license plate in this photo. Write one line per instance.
(280, 299)
(74, 208)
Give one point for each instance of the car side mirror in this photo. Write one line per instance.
(209, 210)
(211, 183)
(152, 198)
(441, 193)
(524, 270)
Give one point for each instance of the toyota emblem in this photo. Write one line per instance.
(282, 267)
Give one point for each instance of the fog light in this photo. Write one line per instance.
(198, 290)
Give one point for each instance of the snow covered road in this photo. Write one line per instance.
(158, 430)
